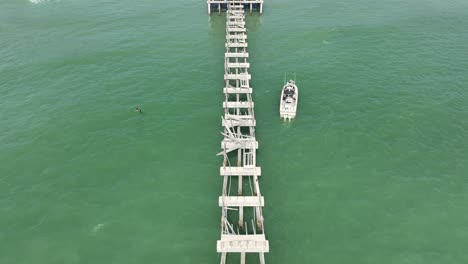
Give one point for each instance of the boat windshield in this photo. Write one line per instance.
(288, 91)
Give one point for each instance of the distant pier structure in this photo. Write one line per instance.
(222, 5)
(241, 203)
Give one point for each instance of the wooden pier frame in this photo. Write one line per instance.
(242, 227)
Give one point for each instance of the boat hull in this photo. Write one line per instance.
(288, 101)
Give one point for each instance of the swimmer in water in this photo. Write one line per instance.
(138, 110)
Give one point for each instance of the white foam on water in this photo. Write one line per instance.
(97, 228)
(38, 1)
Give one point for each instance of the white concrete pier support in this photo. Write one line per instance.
(241, 216)
(239, 188)
(262, 258)
(223, 258)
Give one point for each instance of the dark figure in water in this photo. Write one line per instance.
(138, 110)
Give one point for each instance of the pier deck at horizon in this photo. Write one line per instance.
(222, 5)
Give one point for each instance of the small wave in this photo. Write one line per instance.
(97, 228)
(38, 1)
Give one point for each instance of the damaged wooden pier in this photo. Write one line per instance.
(241, 202)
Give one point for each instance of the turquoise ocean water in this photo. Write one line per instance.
(373, 170)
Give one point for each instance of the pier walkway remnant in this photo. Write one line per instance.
(242, 228)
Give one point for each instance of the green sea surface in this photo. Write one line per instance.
(373, 170)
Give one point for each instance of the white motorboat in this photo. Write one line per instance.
(289, 99)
